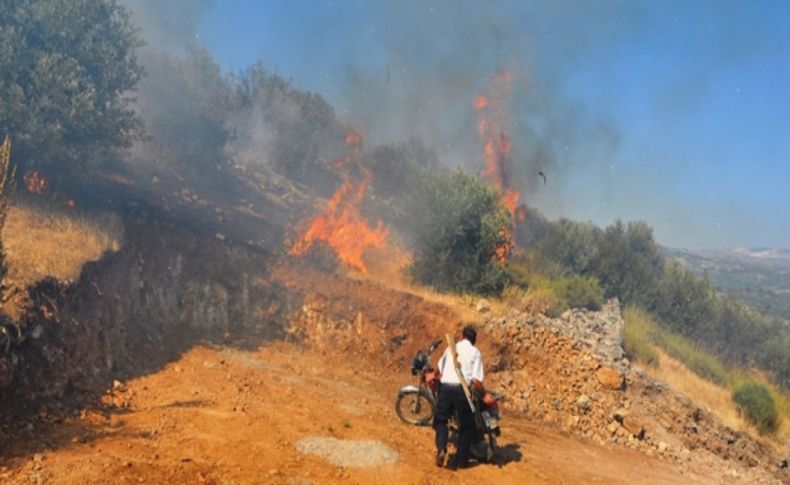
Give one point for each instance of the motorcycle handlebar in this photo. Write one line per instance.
(435, 345)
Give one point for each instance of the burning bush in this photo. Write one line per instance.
(455, 225)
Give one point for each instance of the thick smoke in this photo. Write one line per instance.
(198, 116)
(441, 56)
(168, 26)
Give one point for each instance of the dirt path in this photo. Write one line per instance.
(224, 416)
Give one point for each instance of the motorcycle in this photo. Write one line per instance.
(416, 404)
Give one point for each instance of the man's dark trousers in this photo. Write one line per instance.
(452, 399)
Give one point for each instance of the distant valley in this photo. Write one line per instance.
(759, 277)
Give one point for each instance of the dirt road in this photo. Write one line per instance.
(226, 416)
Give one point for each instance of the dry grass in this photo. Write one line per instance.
(702, 391)
(39, 244)
(716, 398)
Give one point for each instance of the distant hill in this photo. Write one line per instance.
(759, 277)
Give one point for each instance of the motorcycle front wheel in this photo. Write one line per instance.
(415, 407)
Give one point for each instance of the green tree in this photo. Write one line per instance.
(572, 244)
(455, 224)
(629, 262)
(683, 300)
(66, 68)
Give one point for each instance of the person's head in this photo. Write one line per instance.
(469, 333)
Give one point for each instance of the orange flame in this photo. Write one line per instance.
(497, 145)
(342, 225)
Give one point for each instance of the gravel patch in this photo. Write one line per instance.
(349, 453)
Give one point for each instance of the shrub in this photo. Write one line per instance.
(536, 299)
(582, 292)
(637, 336)
(755, 401)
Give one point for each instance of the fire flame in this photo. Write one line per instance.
(497, 145)
(342, 225)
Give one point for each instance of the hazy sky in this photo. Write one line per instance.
(671, 112)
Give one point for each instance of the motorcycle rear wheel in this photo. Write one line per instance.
(415, 407)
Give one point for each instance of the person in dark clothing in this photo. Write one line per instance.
(452, 398)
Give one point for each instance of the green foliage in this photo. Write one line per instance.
(637, 336)
(629, 262)
(702, 363)
(641, 330)
(682, 300)
(630, 265)
(582, 292)
(571, 244)
(454, 224)
(754, 399)
(554, 295)
(67, 68)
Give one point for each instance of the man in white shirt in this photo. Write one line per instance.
(453, 400)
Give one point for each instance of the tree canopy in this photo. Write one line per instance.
(66, 70)
(455, 224)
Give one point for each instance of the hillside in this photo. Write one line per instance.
(759, 277)
(213, 277)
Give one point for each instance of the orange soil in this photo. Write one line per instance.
(223, 416)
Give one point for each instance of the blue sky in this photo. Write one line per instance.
(669, 112)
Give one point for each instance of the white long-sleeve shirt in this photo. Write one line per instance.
(471, 364)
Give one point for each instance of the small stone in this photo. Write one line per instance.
(118, 386)
(273, 471)
(583, 402)
(662, 447)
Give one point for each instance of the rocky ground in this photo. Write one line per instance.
(286, 414)
(572, 372)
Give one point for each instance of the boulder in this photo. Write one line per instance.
(634, 426)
